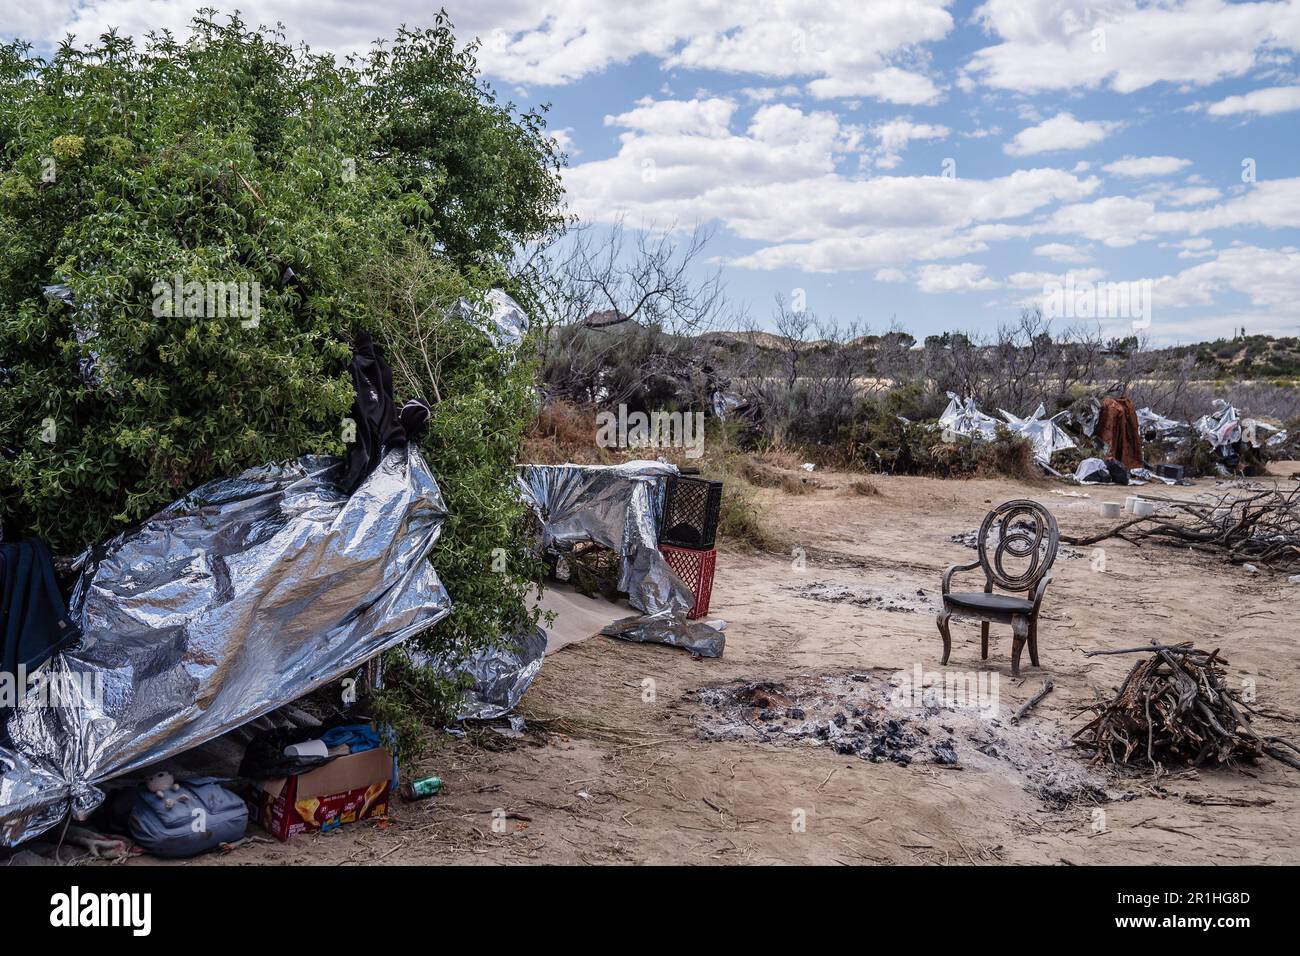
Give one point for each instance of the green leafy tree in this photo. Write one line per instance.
(234, 160)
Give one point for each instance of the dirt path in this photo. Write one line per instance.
(625, 761)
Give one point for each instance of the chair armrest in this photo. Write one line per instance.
(947, 575)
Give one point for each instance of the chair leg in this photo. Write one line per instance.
(1033, 641)
(942, 621)
(1020, 632)
(984, 640)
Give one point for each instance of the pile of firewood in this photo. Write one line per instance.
(1175, 709)
(1261, 527)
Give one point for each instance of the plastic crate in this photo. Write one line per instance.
(691, 512)
(695, 568)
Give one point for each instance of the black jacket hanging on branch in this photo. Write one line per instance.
(373, 412)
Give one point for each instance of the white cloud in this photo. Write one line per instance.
(1061, 252)
(962, 277)
(782, 125)
(835, 223)
(1041, 280)
(1121, 221)
(894, 136)
(844, 47)
(1061, 132)
(709, 117)
(564, 140)
(890, 274)
(1126, 44)
(1267, 278)
(1198, 248)
(1140, 167)
(890, 85)
(1265, 102)
(1188, 195)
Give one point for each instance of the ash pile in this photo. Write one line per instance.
(876, 717)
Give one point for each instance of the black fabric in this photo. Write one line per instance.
(983, 601)
(1118, 473)
(415, 415)
(265, 760)
(34, 621)
(373, 411)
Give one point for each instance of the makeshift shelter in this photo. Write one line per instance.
(1224, 428)
(1150, 421)
(620, 507)
(244, 595)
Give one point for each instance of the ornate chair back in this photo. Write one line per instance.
(1023, 530)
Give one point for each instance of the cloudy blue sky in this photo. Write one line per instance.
(931, 162)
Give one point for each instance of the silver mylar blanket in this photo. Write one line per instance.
(620, 507)
(501, 674)
(242, 596)
(963, 417)
(1043, 433)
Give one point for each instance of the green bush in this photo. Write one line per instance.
(883, 437)
(233, 157)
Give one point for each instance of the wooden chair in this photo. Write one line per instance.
(1025, 530)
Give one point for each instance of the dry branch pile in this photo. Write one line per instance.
(1262, 527)
(1175, 709)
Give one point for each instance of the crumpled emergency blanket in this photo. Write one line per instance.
(242, 596)
(621, 507)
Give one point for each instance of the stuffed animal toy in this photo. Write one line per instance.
(161, 784)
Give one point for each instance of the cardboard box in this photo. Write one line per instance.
(355, 787)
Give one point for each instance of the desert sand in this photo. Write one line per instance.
(627, 759)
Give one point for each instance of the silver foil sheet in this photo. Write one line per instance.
(1045, 434)
(501, 319)
(620, 507)
(500, 674)
(244, 595)
(962, 417)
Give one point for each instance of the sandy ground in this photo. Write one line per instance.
(616, 767)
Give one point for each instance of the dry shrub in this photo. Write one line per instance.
(743, 524)
(564, 432)
(795, 485)
(865, 488)
(756, 471)
(742, 521)
(1006, 456)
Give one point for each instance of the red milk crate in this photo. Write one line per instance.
(695, 568)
